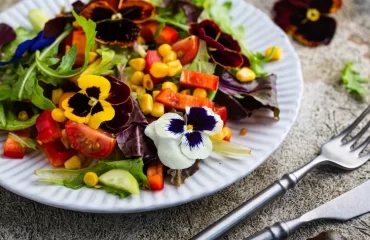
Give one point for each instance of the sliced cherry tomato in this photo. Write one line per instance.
(89, 142)
(186, 49)
(151, 57)
(222, 111)
(155, 175)
(181, 101)
(57, 153)
(48, 129)
(199, 80)
(13, 149)
(168, 34)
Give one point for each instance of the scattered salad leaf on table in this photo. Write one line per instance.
(354, 82)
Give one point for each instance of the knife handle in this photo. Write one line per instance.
(279, 230)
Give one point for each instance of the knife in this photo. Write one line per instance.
(345, 207)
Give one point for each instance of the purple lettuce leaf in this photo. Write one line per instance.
(178, 177)
(261, 93)
(7, 34)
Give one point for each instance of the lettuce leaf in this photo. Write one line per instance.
(354, 82)
(23, 34)
(201, 61)
(229, 149)
(9, 120)
(25, 142)
(178, 176)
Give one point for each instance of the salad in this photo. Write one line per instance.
(121, 94)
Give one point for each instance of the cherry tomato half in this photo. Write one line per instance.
(222, 111)
(89, 142)
(186, 49)
(168, 34)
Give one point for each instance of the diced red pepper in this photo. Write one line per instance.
(199, 80)
(181, 101)
(222, 111)
(168, 34)
(56, 153)
(48, 129)
(13, 149)
(151, 57)
(154, 174)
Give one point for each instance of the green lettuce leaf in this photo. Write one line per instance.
(38, 19)
(201, 61)
(9, 49)
(9, 120)
(74, 178)
(229, 149)
(354, 82)
(64, 70)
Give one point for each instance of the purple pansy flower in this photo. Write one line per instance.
(31, 46)
(181, 141)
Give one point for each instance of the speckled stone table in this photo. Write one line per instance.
(325, 107)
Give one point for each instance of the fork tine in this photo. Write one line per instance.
(358, 136)
(350, 128)
(365, 144)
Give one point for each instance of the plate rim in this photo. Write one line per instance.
(282, 137)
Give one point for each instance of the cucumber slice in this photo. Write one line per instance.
(120, 179)
(38, 19)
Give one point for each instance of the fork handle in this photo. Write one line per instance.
(275, 190)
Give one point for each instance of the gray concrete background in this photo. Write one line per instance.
(326, 106)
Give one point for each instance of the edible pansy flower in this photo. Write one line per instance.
(89, 105)
(307, 20)
(117, 21)
(180, 142)
(223, 49)
(30, 46)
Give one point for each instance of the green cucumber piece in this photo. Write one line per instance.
(120, 179)
(38, 19)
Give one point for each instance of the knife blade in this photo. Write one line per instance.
(349, 205)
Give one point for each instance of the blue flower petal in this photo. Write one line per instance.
(204, 120)
(30, 46)
(196, 145)
(170, 125)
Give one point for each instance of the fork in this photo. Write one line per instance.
(342, 151)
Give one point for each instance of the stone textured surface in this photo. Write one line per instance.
(325, 108)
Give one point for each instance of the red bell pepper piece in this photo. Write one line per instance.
(48, 129)
(57, 153)
(199, 80)
(154, 174)
(168, 34)
(151, 57)
(181, 101)
(13, 149)
(222, 111)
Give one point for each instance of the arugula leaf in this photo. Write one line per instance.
(5, 92)
(198, 3)
(65, 69)
(159, 30)
(25, 142)
(73, 179)
(9, 120)
(170, 21)
(22, 35)
(24, 86)
(39, 100)
(353, 81)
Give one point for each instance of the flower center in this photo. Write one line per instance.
(189, 127)
(313, 14)
(92, 102)
(116, 16)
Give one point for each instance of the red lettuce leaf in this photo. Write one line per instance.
(261, 93)
(7, 34)
(178, 177)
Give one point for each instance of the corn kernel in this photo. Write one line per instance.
(75, 24)
(219, 136)
(185, 92)
(243, 132)
(174, 67)
(140, 90)
(277, 54)
(164, 49)
(67, 48)
(146, 103)
(170, 85)
(91, 179)
(158, 110)
(228, 133)
(200, 92)
(155, 93)
(55, 95)
(58, 115)
(92, 57)
(73, 163)
(23, 116)
(133, 86)
(141, 40)
(65, 140)
(137, 78)
(148, 83)
(159, 70)
(245, 75)
(137, 63)
(169, 57)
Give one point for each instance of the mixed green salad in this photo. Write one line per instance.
(119, 94)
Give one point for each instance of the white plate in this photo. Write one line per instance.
(264, 134)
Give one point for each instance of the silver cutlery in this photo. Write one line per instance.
(351, 204)
(342, 151)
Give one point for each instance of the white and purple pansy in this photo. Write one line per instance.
(181, 141)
